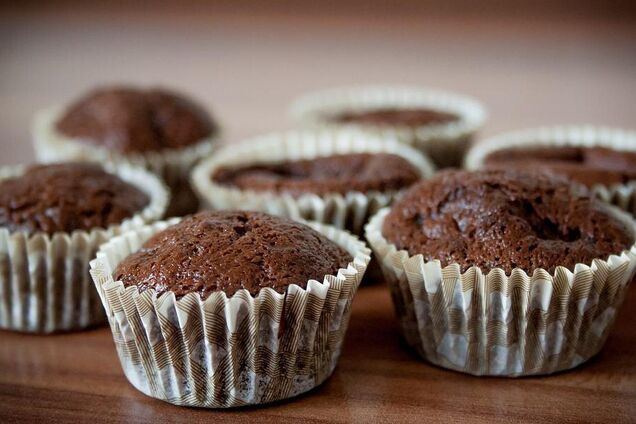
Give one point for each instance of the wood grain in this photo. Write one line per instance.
(77, 378)
(247, 66)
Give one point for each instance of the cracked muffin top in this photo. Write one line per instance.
(361, 172)
(129, 120)
(505, 219)
(231, 250)
(67, 197)
(412, 117)
(585, 165)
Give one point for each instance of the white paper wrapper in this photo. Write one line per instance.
(226, 352)
(621, 195)
(500, 325)
(45, 285)
(444, 143)
(349, 211)
(173, 166)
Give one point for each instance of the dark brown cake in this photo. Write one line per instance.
(586, 165)
(361, 172)
(396, 117)
(228, 251)
(505, 219)
(127, 120)
(67, 197)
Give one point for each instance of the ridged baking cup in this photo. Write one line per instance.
(349, 211)
(501, 325)
(44, 279)
(444, 143)
(226, 352)
(173, 165)
(621, 195)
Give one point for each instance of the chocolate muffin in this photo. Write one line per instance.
(586, 165)
(160, 130)
(67, 197)
(131, 120)
(505, 219)
(411, 117)
(280, 342)
(362, 172)
(53, 218)
(231, 250)
(438, 123)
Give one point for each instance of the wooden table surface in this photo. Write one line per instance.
(247, 67)
(77, 378)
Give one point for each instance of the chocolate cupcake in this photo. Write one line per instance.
(158, 129)
(52, 220)
(602, 159)
(229, 308)
(335, 177)
(504, 272)
(439, 124)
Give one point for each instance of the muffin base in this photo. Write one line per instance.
(499, 325)
(228, 352)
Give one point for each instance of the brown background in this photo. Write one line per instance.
(532, 63)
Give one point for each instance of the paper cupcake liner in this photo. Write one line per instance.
(444, 143)
(45, 285)
(226, 352)
(621, 195)
(349, 211)
(501, 325)
(173, 166)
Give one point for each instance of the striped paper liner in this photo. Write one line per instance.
(44, 281)
(349, 211)
(503, 325)
(444, 143)
(621, 195)
(227, 352)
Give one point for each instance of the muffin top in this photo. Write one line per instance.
(395, 117)
(361, 172)
(586, 165)
(66, 197)
(128, 120)
(228, 251)
(505, 219)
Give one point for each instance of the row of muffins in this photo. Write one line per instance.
(168, 134)
(289, 337)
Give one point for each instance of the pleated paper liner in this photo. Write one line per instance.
(45, 284)
(621, 195)
(445, 143)
(227, 352)
(349, 211)
(498, 325)
(172, 165)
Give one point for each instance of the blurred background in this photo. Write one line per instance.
(530, 62)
